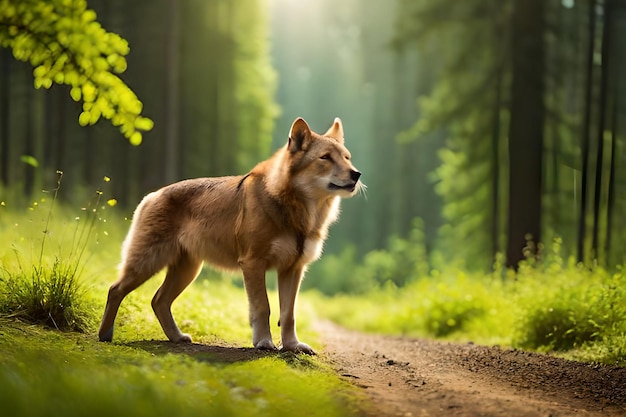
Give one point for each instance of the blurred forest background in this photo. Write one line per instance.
(478, 125)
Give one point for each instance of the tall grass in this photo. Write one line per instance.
(40, 276)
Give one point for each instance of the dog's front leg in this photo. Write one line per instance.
(288, 286)
(254, 280)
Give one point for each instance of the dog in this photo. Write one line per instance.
(275, 217)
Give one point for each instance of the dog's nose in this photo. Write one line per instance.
(355, 175)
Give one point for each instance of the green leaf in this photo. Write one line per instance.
(29, 160)
(84, 118)
(40, 71)
(76, 93)
(135, 139)
(143, 123)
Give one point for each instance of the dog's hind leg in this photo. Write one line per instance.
(139, 263)
(128, 281)
(179, 275)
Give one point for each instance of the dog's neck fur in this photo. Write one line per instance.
(321, 212)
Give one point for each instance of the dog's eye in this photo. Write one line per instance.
(325, 156)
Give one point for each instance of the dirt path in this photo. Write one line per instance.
(409, 377)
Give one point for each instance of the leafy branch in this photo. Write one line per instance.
(65, 44)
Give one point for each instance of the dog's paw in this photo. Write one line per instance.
(106, 335)
(298, 348)
(183, 338)
(265, 344)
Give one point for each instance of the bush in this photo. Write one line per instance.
(574, 309)
(450, 309)
(400, 263)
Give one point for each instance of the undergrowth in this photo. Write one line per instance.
(572, 308)
(549, 305)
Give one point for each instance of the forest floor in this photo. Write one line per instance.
(414, 377)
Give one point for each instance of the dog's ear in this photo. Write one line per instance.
(299, 135)
(336, 130)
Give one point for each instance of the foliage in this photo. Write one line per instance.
(551, 305)
(203, 74)
(66, 45)
(579, 309)
(402, 261)
(473, 103)
(50, 295)
(451, 304)
(466, 104)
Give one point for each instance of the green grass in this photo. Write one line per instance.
(44, 371)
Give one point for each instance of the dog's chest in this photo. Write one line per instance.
(287, 250)
(312, 249)
(305, 245)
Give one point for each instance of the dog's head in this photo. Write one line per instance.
(320, 164)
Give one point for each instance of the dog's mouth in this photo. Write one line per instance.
(349, 187)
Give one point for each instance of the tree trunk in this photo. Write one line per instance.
(611, 201)
(29, 144)
(597, 247)
(526, 127)
(495, 177)
(172, 93)
(4, 116)
(610, 210)
(55, 125)
(584, 148)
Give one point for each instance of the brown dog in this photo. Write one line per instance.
(275, 217)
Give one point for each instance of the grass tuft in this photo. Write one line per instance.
(49, 291)
(52, 296)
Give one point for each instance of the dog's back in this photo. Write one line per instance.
(196, 216)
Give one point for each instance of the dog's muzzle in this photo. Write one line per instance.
(351, 186)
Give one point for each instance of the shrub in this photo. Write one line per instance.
(449, 311)
(573, 309)
(400, 263)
